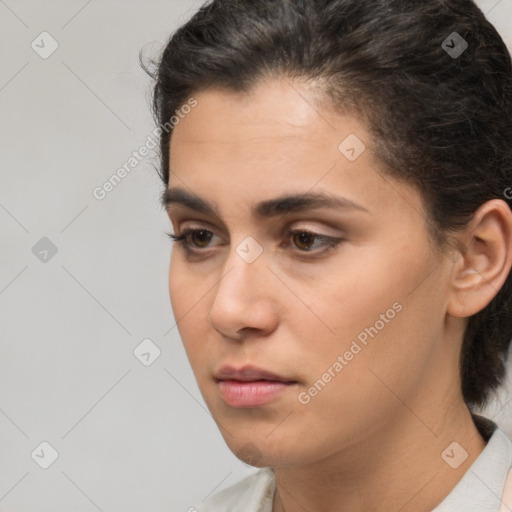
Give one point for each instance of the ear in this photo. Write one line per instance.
(484, 259)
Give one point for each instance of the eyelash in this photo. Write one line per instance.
(183, 240)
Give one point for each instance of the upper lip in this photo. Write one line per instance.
(248, 374)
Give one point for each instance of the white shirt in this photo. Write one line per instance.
(481, 489)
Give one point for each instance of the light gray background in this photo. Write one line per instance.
(129, 437)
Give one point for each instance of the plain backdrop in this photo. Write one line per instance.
(83, 281)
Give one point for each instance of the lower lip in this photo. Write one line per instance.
(251, 394)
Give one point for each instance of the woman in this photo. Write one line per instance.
(337, 174)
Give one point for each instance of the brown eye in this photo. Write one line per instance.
(201, 237)
(304, 240)
(309, 242)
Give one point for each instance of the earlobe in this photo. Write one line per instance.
(484, 265)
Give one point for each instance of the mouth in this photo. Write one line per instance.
(250, 386)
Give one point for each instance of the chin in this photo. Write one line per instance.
(262, 454)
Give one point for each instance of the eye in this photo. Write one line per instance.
(200, 237)
(305, 240)
(196, 240)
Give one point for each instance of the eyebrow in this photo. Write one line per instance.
(269, 208)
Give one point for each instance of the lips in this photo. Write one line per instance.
(249, 374)
(250, 386)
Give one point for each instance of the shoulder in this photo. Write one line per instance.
(254, 493)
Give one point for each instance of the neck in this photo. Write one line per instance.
(401, 468)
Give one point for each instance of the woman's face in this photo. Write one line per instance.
(352, 315)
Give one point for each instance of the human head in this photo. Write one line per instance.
(439, 123)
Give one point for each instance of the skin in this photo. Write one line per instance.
(372, 438)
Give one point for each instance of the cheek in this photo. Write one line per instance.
(353, 385)
(346, 300)
(379, 287)
(178, 290)
(185, 289)
(187, 301)
(381, 330)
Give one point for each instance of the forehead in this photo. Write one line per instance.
(242, 148)
(281, 115)
(283, 104)
(277, 126)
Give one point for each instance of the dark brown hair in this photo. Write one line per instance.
(439, 121)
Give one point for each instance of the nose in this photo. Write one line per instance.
(245, 299)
